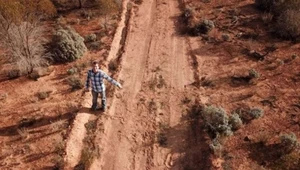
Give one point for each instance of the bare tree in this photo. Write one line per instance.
(22, 37)
(24, 43)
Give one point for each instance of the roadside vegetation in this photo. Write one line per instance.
(52, 40)
(251, 47)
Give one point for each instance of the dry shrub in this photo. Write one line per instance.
(286, 14)
(265, 5)
(43, 94)
(279, 6)
(40, 72)
(75, 82)
(90, 38)
(288, 143)
(22, 34)
(3, 96)
(14, 73)
(288, 24)
(248, 114)
(216, 147)
(113, 65)
(267, 17)
(25, 45)
(107, 6)
(232, 50)
(287, 162)
(138, 1)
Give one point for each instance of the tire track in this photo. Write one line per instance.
(119, 142)
(155, 71)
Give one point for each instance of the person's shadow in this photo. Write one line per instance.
(90, 111)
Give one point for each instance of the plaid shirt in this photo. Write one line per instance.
(96, 80)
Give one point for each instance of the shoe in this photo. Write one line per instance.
(93, 109)
(103, 109)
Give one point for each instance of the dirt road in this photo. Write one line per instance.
(143, 127)
(155, 71)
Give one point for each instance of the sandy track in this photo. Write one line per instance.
(75, 143)
(155, 71)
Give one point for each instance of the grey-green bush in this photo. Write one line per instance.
(253, 73)
(43, 95)
(216, 147)
(90, 38)
(235, 121)
(256, 113)
(75, 82)
(3, 96)
(203, 27)
(288, 142)
(217, 119)
(72, 71)
(14, 73)
(67, 45)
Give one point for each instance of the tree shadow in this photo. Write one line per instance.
(34, 123)
(189, 140)
(36, 156)
(264, 154)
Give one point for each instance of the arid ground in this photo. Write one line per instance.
(168, 76)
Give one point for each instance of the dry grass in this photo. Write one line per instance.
(267, 17)
(23, 132)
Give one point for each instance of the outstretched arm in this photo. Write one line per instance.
(114, 82)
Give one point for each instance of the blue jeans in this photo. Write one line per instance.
(95, 98)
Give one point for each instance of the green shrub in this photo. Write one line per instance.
(113, 65)
(91, 125)
(216, 147)
(203, 27)
(67, 45)
(288, 142)
(39, 72)
(217, 120)
(43, 95)
(72, 71)
(94, 45)
(90, 38)
(3, 96)
(14, 73)
(87, 157)
(253, 73)
(256, 113)
(235, 121)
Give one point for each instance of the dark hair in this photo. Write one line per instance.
(95, 62)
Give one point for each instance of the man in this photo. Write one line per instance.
(95, 77)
